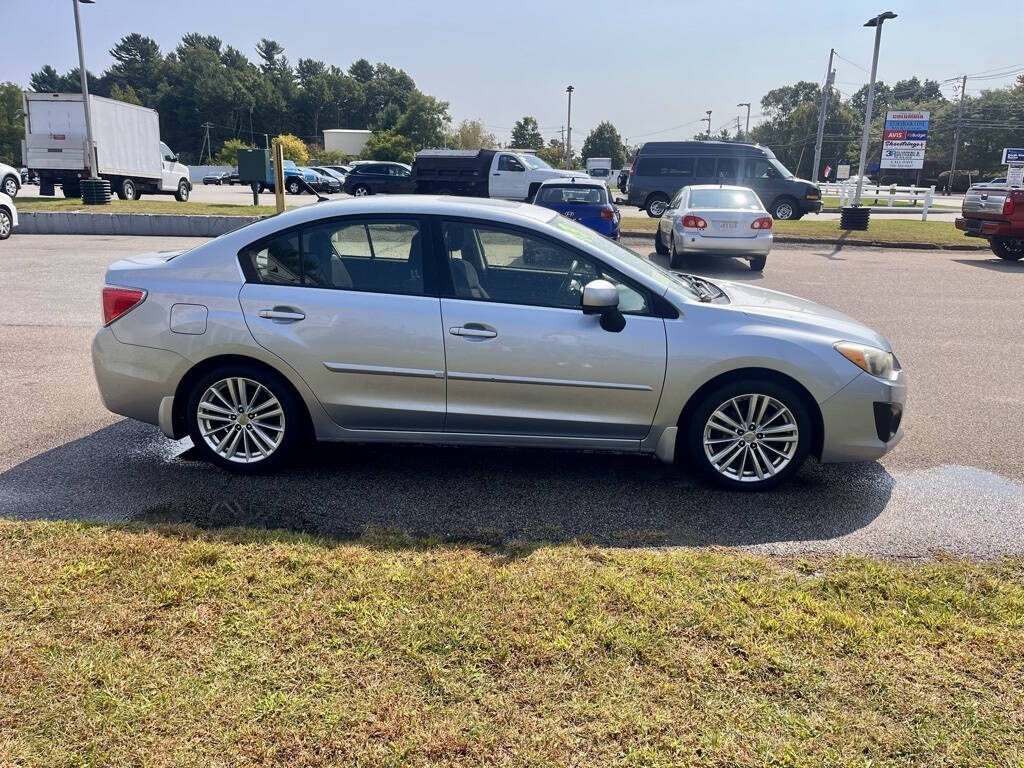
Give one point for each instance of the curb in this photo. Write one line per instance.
(146, 224)
(909, 246)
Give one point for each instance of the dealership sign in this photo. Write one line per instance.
(1013, 155)
(904, 138)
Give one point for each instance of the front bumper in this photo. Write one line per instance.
(811, 206)
(133, 380)
(860, 415)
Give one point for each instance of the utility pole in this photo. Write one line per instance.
(746, 134)
(84, 76)
(708, 118)
(206, 143)
(568, 131)
(738, 126)
(956, 134)
(876, 22)
(829, 77)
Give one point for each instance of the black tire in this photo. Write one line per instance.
(785, 209)
(757, 264)
(361, 190)
(72, 190)
(5, 224)
(182, 194)
(127, 190)
(10, 187)
(656, 205)
(263, 188)
(676, 260)
(1008, 248)
(659, 244)
(293, 187)
(292, 420)
(694, 433)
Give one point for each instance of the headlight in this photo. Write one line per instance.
(873, 360)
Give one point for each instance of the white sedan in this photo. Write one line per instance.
(8, 216)
(715, 219)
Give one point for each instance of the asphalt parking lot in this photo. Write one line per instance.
(955, 484)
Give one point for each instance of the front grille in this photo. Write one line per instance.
(887, 420)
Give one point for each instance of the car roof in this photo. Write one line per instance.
(734, 187)
(716, 148)
(568, 181)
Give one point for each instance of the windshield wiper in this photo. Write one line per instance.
(700, 287)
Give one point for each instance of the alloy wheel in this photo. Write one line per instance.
(784, 211)
(240, 420)
(750, 438)
(11, 187)
(5, 225)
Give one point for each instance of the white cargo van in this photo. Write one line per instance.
(599, 167)
(128, 150)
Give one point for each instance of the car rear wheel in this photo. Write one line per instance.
(1008, 248)
(244, 418)
(656, 205)
(361, 191)
(5, 224)
(675, 258)
(11, 187)
(749, 435)
(659, 244)
(757, 263)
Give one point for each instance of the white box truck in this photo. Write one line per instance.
(126, 137)
(599, 167)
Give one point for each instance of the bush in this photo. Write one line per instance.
(961, 180)
(386, 145)
(320, 156)
(228, 154)
(294, 148)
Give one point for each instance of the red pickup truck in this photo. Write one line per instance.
(998, 216)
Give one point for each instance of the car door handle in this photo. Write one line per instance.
(289, 316)
(473, 333)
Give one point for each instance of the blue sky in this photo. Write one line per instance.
(646, 66)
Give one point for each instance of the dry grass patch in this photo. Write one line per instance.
(175, 647)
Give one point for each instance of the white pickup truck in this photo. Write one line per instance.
(482, 173)
(127, 148)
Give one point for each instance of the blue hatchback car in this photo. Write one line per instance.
(586, 201)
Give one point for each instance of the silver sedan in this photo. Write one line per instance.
(716, 219)
(480, 322)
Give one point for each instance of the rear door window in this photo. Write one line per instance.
(705, 168)
(679, 167)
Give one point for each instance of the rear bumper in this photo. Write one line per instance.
(689, 241)
(133, 380)
(974, 227)
(864, 420)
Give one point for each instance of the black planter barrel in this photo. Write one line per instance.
(95, 191)
(854, 217)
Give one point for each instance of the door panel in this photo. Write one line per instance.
(508, 178)
(549, 371)
(342, 303)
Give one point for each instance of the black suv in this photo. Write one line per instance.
(662, 168)
(375, 178)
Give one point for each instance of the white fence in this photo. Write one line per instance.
(886, 196)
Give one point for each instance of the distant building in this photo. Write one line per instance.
(350, 141)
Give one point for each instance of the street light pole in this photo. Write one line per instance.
(746, 134)
(829, 75)
(85, 90)
(568, 131)
(708, 118)
(876, 22)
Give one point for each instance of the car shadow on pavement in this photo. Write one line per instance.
(727, 267)
(128, 472)
(995, 264)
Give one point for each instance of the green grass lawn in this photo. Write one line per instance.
(881, 229)
(167, 205)
(175, 647)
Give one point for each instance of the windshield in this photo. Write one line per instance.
(786, 173)
(532, 161)
(731, 199)
(661, 277)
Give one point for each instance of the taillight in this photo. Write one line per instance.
(765, 222)
(694, 222)
(1008, 205)
(607, 212)
(117, 301)
(632, 167)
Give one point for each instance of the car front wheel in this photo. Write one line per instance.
(5, 224)
(749, 435)
(183, 192)
(244, 419)
(11, 187)
(785, 209)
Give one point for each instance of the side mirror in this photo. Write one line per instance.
(600, 297)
